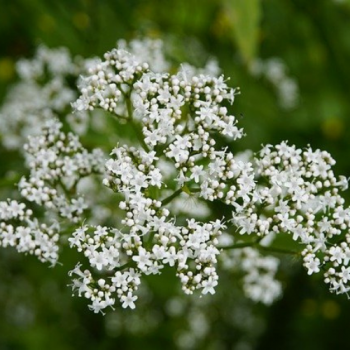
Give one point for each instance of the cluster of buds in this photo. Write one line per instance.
(57, 162)
(297, 193)
(19, 229)
(152, 240)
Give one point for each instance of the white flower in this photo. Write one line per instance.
(312, 264)
(128, 300)
(209, 286)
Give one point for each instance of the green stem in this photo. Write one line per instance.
(150, 239)
(120, 116)
(171, 197)
(128, 106)
(130, 119)
(64, 188)
(195, 190)
(139, 136)
(239, 245)
(128, 264)
(184, 189)
(277, 250)
(68, 192)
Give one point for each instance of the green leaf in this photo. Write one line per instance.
(245, 18)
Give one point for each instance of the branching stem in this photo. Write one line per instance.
(130, 119)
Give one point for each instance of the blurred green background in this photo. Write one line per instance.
(312, 38)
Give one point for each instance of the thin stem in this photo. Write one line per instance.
(184, 189)
(64, 188)
(239, 245)
(195, 190)
(127, 98)
(139, 136)
(128, 105)
(277, 250)
(150, 239)
(130, 119)
(128, 264)
(120, 116)
(171, 197)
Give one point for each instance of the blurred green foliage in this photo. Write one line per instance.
(311, 37)
(244, 17)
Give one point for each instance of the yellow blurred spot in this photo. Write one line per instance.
(330, 309)
(152, 33)
(309, 307)
(7, 69)
(222, 24)
(81, 20)
(144, 10)
(333, 128)
(46, 23)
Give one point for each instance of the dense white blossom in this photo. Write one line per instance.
(180, 121)
(19, 229)
(44, 92)
(57, 162)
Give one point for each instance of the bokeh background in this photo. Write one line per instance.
(310, 43)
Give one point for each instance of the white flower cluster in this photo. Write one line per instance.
(158, 100)
(47, 88)
(276, 192)
(297, 193)
(180, 120)
(259, 280)
(101, 246)
(178, 117)
(152, 52)
(274, 71)
(102, 88)
(175, 105)
(57, 162)
(44, 92)
(57, 62)
(19, 229)
(152, 240)
(147, 50)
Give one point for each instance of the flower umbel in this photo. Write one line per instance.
(138, 228)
